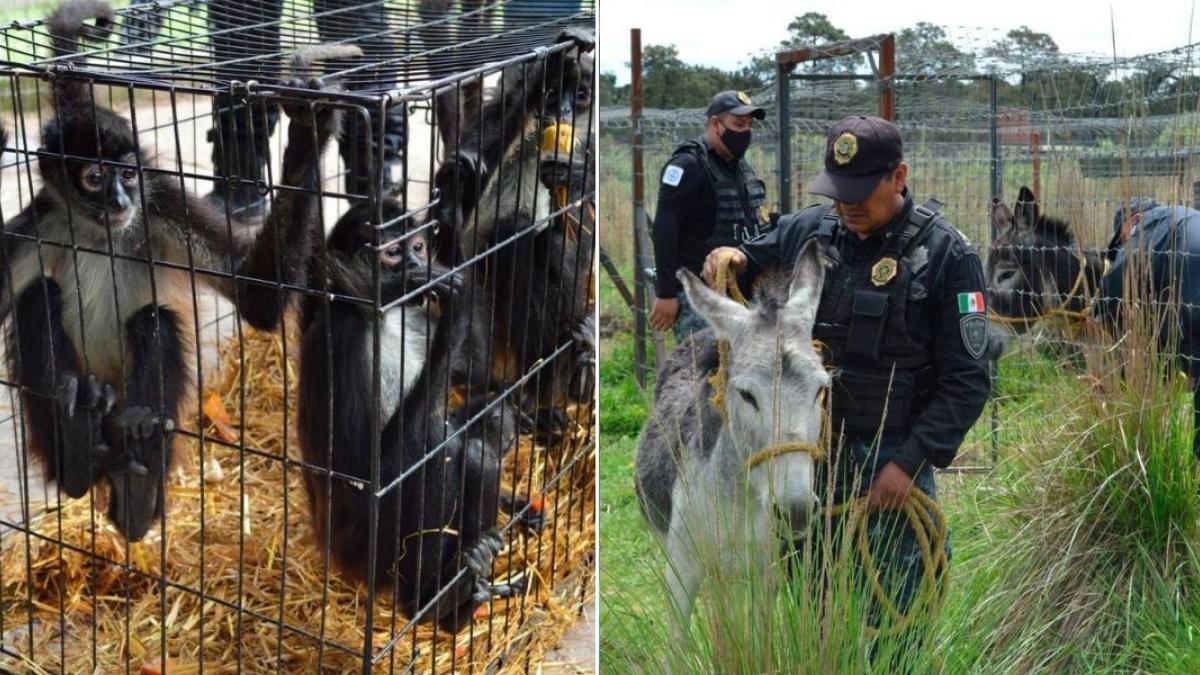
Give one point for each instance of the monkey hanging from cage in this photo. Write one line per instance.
(438, 466)
(439, 469)
(98, 278)
(516, 191)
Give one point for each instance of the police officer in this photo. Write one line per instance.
(902, 320)
(708, 197)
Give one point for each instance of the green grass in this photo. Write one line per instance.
(1078, 552)
(1061, 479)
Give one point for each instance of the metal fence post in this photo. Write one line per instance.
(993, 370)
(639, 209)
(783, 98)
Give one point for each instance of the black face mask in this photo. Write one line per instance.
(736, 142)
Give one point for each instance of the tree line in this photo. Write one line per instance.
(1032, 73)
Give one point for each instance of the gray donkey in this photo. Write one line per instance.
(695, 480)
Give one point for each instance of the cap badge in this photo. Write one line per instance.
(844, 148)
(741, 96)
(883, 271)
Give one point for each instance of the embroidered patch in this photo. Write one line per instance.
(672, 176)
(974, 331)
(741, 96)
(971, 303)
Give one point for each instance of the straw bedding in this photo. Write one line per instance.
(101, 606)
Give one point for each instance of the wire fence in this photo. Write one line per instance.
(1086, 135)
(276, 408)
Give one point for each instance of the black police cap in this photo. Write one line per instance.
(735, 102)
(859, 152)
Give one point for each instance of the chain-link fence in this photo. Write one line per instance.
(1087, 135)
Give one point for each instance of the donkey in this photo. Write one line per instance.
(696, 483)
(1037, 269)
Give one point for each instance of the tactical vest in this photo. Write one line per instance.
(739, 193)
(880, 373)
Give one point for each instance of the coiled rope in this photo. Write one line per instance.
(924, 515)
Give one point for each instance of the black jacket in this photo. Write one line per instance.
(686, 228)
(941, 265)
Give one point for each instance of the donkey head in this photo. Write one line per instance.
(1031, 262)
(774, 377)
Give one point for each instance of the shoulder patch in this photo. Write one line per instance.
(672, 175)
(973, 329)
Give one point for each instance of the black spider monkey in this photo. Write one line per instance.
(97, 337)
(496, 185)
(440, 516)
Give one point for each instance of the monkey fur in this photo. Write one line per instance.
(98, 337)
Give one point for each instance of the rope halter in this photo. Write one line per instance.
(1061, 310)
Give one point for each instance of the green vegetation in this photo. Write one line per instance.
(1076, 553)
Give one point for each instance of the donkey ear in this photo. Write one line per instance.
(723, 314)
(1026, 209)
(804, 293)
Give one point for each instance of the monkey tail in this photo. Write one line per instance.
(69, 29)
(304, 58)
(69, 26)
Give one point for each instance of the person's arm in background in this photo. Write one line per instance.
(783, 243)
(678, 191)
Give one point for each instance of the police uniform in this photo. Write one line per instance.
(704, 201)
(904, 330)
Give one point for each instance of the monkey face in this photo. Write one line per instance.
(79, 158)
(575, 95)
(108, 193)
(405, 264)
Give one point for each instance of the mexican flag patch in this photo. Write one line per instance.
(970, 303)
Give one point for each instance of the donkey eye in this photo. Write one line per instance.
(748, 398)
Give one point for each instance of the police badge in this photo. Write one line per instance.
(883, 271)
(974, 331)
(845, 147)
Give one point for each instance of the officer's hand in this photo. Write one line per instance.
(1127, 226)
(662, 314)
(890, 489)
(724, 255)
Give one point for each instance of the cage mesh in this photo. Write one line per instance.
(239, 571)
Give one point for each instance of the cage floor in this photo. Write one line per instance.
(246, 583)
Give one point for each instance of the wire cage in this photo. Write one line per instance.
(277, 407)
(1090, 137)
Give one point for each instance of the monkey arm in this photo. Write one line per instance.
(281, 250)
(63, 411)
(141, 437)
(528, 90)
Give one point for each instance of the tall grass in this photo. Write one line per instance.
(809, 611)
(1101, 570)
(1078, 553)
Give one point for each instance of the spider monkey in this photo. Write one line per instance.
(97, 338)
(440, 516)
(497, 185)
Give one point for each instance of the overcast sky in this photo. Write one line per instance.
(724, 33)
